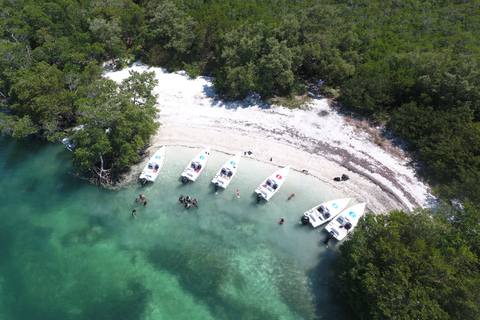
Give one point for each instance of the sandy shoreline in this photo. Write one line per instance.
(319, 140)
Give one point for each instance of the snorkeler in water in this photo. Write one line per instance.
(181, 199)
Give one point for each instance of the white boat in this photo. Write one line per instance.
(324, 212)
(68, 144)
(226, 173)
(153, 167)
(270, 186)
(196, 166)
(346, 221)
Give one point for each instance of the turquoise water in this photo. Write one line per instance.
(69, 250)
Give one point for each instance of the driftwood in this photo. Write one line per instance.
(100, 176)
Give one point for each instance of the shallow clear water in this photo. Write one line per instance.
(69, 250)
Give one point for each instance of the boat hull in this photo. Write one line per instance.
(270, 186)
(326, 211)
(196, 166)
(340, 226)
(154, 166)
(227, 172)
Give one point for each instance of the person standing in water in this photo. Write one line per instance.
(282, 221)
(134, 213)
(145, 203)
(181, 199)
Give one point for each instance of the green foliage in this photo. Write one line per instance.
(411, 267)
(173, 31)
(328, 44)
(254, 61)
(116, 124)
(40, 93)
(109, 33)
(412, 64)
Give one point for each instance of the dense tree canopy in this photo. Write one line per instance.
(413, 267)
(116, 122)
(412, 65)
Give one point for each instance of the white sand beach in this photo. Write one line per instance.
(320, 139)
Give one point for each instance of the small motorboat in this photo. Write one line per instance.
(270, 186)
(324, 212)
(226, 173)
(153, 167)
(196, 166)
(345, 221)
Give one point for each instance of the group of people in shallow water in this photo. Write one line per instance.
(141, 198)
(188, 202)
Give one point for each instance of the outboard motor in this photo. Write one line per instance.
(259, 197)
(305, 220)
(184, 180)
(216, 186)
(144, 181)
(330, 236)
